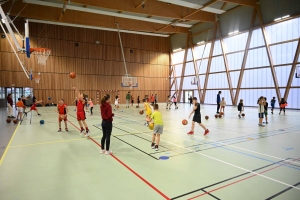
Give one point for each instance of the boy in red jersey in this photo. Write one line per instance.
(62, 110)
(33, 107)
(81, 113)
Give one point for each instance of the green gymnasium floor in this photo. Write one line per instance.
(236, 160)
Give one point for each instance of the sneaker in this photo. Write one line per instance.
(264, 122)
(39, 114)
(59, 130)
(66, 129)
(87, 133)
(81, 132)
(153, 145)
(25, 113)
(108, 152)
(239, 116)
(8, 117)
(267, 122)
(12, 117)
(191, 133)
(156, 147)
(102, 151)
(279, 113)
(206, 132)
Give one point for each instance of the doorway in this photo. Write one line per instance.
(187, 94)
(15, 93)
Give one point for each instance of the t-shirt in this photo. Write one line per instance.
(218, 98)
(128, 96)
(157, 118)
(266, 106)
(148, 109)
(80, 106)
(223, 103)
(91, 104)
(273, 101)
(174, 100)
(62, 109)
(10, 101)
(197, 111)
(261, 108)
(240, 106)
(20, 104)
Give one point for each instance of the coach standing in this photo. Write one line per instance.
(218, 101)
(128, 97)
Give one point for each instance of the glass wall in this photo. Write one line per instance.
(257, 79)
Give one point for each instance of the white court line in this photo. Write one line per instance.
(286, 184)
(240, 147)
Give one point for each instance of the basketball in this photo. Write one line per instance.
(216, 116)
(42, 121)
(243, 114)
(72, 75)
(136, 106)
(141, 112)
(206, 117)
(221, 113)
(184, 122)
(15, 121)
(220, 116)
(8, 120)
(151, 126)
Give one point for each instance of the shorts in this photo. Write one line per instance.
(60, 119)
(266, 113)
(222, 106)
(260, 115)
(32, 108)
(197, 118)
(158, 129)
(132, 101)
(81, 116)
(273, 106)
(20, 109)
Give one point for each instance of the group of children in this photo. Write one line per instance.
(21, 108)
(170, 101)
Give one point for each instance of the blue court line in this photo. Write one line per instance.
(276, 131)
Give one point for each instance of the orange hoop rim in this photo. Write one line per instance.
(40, 50)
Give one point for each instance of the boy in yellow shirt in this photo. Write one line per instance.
(156, 117)
(148, 110)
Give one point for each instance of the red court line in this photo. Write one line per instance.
(211, 191)
(135, 173)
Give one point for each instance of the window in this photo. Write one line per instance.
(198, 50)
(217, 48)
(217, 81)
(178, 57)
(189, 69)
(294, 97)
(235, 43)
(178, 70)
(283, 53)
(284, 31)
(187, 84)
(257, 38)
(234, 78)
(257, 78)
(202, 69)
(217, 64)
(235, 60)
(283, 74)
(257, 58)
(250, 97)
(189, 55)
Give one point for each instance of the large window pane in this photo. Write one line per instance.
(235, 43)
(203, 67)
(235, 60)
(189, 69)
(178, 70)
(217, 48)
(250, 97)
(296, 81)
(199, 51)
(257, 38)
(211, 96)
(257, 58)
(187, 84)
(283, 74)
(189, 55)
(217, 64)
(173, 87)
(283, 31)
(257, 78)
(217, 81)
(293, 99)
(178, 57)
(234, 78)
(283, 53)
(202, 80)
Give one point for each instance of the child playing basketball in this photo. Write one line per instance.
(273, 101)
(266, 110)
(169, 102)
(240, 107)
(20, 107)
(81, 114)
(148, 111)
(175, 102)
(138, 101)
(282, 105)
(156, 117)
(223, 104)
(261, 109)
(33, 107)
(132, 100)
(116, 103)
(197, 117)
(91, 104)
(62, 110)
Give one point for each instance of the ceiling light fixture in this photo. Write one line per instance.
(232, 33)
(280, 18)
(200, 42)
(175, 50)
(3, 21)
(285, 17)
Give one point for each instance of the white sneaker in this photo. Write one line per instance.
(102, 151)
(81, 132)
(108, 152)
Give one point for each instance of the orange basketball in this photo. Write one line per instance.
(216, 116)
(220, 116)
(184, 122)
(141, 112)
(8, 120)
(15, 121)
(72, 75)
(206, 117)
(243, 114)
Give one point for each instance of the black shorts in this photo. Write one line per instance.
(197, 118)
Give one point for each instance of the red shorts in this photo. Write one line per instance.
(32, 108)
(61, 118)
(81, 116)
(222, 106)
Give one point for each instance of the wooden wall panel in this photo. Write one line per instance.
(98, 66)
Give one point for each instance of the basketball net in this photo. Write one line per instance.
(37, 79)
(42, 54)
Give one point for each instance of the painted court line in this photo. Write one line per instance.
(238, 167)
(131, 170)
(235, 182)
(7, 147)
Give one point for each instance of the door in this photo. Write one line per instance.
(15, 93)
(187, 94)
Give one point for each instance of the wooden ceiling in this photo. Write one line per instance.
(145, 16)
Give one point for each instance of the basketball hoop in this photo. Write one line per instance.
(37, 79)
(42, 54)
